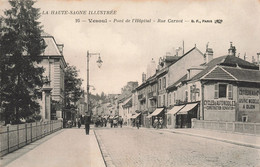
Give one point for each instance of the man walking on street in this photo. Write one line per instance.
(87, 123)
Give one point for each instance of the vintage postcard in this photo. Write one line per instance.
(134, 83)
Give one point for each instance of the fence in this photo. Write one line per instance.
(14, 137)
(239, 127)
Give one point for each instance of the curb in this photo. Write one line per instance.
(105, 155)
(99, 146)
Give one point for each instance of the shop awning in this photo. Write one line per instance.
(187, 108)
(135, 116)
(156, 112)
(175, 109)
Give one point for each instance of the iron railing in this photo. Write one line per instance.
(13, 137)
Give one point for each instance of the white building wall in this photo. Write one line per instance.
(179, 69)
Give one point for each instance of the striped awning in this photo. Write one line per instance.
(175, 109)
(156, 112)
(187, 108)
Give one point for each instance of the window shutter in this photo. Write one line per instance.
(216, 92)
(174, 98)
(191, 93)
(230, 91)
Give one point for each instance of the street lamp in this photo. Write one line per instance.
(99, 62)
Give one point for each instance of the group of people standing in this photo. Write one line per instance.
(116, 121)
(158, 122)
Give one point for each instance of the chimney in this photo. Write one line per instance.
(151, 69)
(143, 77)
(232, 50)
(208, 56)
(60, 47)
(178, 50)
(245, 56)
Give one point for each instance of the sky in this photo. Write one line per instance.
(127, 48)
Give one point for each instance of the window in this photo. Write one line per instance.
(164, 82)
(186, 96)
(170, 101)
(223, 91)
(191, 93)
(174, 97)
(160, 84)
(244, 118)
(163, 100)
(159, 101)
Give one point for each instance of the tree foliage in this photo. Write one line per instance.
(20, 48)
(73, 90)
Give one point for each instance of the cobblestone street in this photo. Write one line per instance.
(127, 147)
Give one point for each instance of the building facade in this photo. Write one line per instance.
(54, 64)
(224, 89)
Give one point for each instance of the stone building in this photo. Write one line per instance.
(224, 89)
(54, 64)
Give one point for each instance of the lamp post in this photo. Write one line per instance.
(99, 62)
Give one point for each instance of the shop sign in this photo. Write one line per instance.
(219, 105)
(248, 99)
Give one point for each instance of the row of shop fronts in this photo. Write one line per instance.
(195, 85)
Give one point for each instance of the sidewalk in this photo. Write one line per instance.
(65, 148)
(228, 137)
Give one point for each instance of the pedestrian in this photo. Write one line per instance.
(161, 122)
(155, 123)
(105, 122)
(137, 123)
(79, 122)
(120, 121)
(115, 122)
(111, 122)
(87, 123)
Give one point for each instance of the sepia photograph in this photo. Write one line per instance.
(129, 83)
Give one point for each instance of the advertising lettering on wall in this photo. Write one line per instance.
(219, 105)
(249, 99)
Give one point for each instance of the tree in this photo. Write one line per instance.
(20, 48)
(72, 86)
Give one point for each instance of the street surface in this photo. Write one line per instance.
(129, 147)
